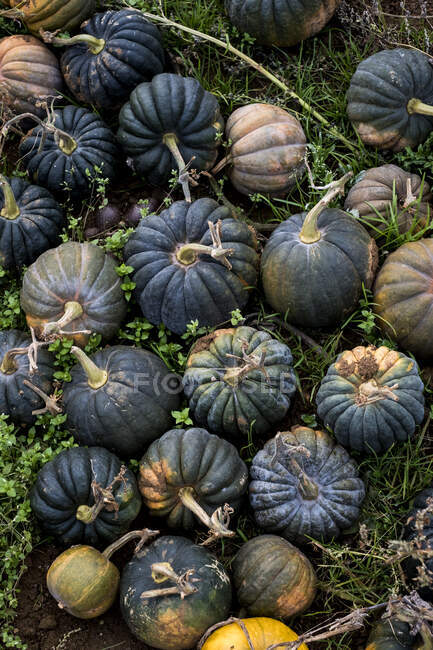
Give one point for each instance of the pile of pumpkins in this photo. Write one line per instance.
(197, 261)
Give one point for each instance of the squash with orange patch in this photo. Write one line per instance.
(52, 15)
(263, 633)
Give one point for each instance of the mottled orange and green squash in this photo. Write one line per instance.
(52, 15)
(263, 633)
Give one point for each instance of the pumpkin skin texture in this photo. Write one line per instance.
(16, 399)
(373, 194)
(228, 386)
(280, 22)
(391, 634)
(424, 542)
(169, 105)
(35, 228)
(65, 483)
(61, 167)
(193, 459)
(83, 581)
(263, 633)
(170, 622)
(62, 15)
(174, 292)
(318, 284)
(273, 578)
(403, 298)
(29, 73)
(79, 274)
(131, 408)
(268, 147)
(132, 52)
(371, 397)
(314, 492)
(381, 95)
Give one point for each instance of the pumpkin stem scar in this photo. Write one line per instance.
(143, 535)
(235, 375)
(188, 253)
(418, 107)
(103, 497)
(51, 405)
(309, 231)
(162, 571)
(216, 523)
(96, 377)
(170, 141)
(10, 209)
(72, 311)
(95, 45)
(370, 392)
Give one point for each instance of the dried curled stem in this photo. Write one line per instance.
(217, 523)
(143, 536)
(183, 587)
(104, 498)
(51, 405)
(188, 253)
(228, 621)
(252, 361)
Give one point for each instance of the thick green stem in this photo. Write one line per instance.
(417, 106)
(96, 377)
(10, 209)
(143, 535)
(65, 142)
(72, 311)
(309, 231)
(170, 141)
(188, 253)
(8, 365)
(214, 523)
(95, 45)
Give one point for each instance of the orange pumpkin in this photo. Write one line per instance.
(263, 632)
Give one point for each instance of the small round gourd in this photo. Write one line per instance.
(390, 99)
(273, 578)
(391, 634)
(115, 51)
(73, 290)
(267, 149)
(31, 221)
(192, 262)
(29, 73)
(371, 397)
(372, 198)
(262, 631)
(413, 569)
(280, 22)
(68, 499)
(171, 622)
(304, 485)
(61, 15)
(403, 298)
(69, 157)
(120, 398)
(237, 379)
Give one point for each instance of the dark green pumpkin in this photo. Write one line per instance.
(391, 634)
(63, 501)
(120, 398)
(177, 279)
(390, 99)
(61, 15)
(415, 571)
(371, 397)
(115, 51)
(273, 578)
(65, 160)
(280, 22)
(30, 222)
(73, 288)
(170, 622)
(170, 112)
(191, 463)
(237, 379)
(304, 485)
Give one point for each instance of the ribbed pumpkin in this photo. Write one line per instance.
(391, 634)
(16, 399)
(280, 22)
(30, 222)
(390, 99)
(29, 73)
(267, 149)
(371, 397)
(372, 197)
(120, 398)
(273, 578)
(304, 485)
(237, 379)
(188, 474)
(64, 160)
(168, 122)
(52, 15)
(115, 51)
(413, 568)
(403, 298)
(172, 622)
(70, 500)
(262, 631)
(73, 290)
(192, 262)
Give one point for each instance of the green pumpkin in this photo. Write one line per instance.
(52, 15)
(237, 379)
(371, 397)
(171, 622)
(391, 634)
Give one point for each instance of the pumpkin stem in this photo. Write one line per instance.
(235, 375)
(95, 45)
(143, 535)
(170, 141)
(370, 392)
(162, 571)
(65, 142)
(188, 253)
(417, 106)
(216, 523)
(308, 489)
(222, 163)
(96, 377)
(10, 209)
(104, 499)
(51, 405)
(309, 231)
(410, 196)
(8, 365)
(72, 310)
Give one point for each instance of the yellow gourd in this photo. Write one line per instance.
(263, 633)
